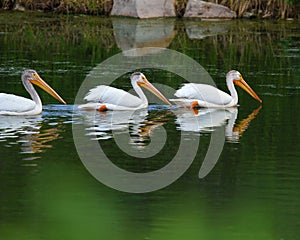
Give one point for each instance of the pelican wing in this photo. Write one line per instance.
(203, 92)
(10, 103)
(111, 95)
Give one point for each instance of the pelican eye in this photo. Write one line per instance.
(143, 78)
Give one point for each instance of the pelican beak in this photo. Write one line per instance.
(242, 83)
(147, 85)
(37, 80)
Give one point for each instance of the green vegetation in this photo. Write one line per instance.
(91, 7)
(259, 8)
(263, 8)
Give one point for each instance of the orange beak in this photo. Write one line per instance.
(43, 85)
(146, 84)
(242, 83)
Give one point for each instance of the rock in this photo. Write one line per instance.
(143, 8)
(18, 7)
(248, 15)
(202, 9)
(203, 29)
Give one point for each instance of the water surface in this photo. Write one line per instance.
(251, 191)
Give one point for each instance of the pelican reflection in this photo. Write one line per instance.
(221, 123)
(100, 125)
(27, 132)
(209, 119)
(234, 131)
(133, 129)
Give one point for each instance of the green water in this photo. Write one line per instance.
(251, 191)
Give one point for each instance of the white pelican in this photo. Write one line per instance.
(104, 98)
(11, 104)
(203, 95)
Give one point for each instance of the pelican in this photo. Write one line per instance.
(203, 95)
(11, 104)
(104, 98)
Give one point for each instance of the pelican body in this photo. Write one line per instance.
(11, 104)
(104, 97)
(203, 95)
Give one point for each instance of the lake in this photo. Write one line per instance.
(161, 172)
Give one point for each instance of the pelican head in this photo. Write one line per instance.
(33, 77)
(140, 79)
(235, 77)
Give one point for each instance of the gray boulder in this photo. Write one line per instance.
(202, 9)
(143, 8)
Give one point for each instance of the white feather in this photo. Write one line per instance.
(203, 93)
(110, 95)
(11, 104)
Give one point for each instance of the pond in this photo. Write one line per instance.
(54, 185)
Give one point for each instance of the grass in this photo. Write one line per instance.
(262, 8)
